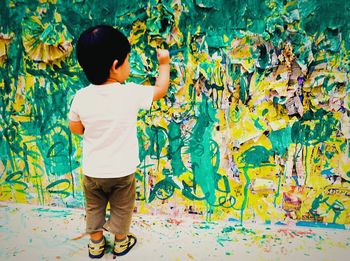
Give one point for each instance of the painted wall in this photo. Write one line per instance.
(267, 139)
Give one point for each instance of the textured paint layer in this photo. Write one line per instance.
(267, 139)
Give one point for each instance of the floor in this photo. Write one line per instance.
(38, 233)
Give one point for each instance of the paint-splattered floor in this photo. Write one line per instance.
(36, 233)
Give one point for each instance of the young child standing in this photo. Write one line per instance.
(105, 113)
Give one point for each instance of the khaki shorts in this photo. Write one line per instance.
(120, 193)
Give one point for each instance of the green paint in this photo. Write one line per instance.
(14, 179)
(317, 16)
(243, 87)
(160, 20)
(245, 193)
(256, 156)
(201, 153)
(189, 191)
(52, 212)
(163, 189)
(174, 152)
(324, 128)
(219, 20)
(53, 187)
(157, 136)
(281, 139)
(40, 156)
(228, 229)
(257, 124)
(316, 203)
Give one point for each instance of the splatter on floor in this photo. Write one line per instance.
(39, 233)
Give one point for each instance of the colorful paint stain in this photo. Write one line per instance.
(255, 126)
(48, 233)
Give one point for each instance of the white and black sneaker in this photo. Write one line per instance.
(123, 247)
(97, 250)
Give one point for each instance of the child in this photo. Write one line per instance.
(105, 112)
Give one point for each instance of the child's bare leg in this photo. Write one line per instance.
(96, 236)
(120, 237)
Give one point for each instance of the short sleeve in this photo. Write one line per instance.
(73, 112)
(145, 96)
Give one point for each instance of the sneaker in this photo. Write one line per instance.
(123, 247)
(97, 250)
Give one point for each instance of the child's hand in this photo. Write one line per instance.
(163, 56)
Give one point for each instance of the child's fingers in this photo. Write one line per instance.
(162, 52)
(163, 56)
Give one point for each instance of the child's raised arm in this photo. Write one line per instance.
(162, 83)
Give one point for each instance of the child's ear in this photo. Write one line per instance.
(114, 65)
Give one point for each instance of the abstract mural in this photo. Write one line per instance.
(255, 126)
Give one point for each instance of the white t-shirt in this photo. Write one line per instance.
(109, 115)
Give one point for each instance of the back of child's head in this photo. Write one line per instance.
(97, 48)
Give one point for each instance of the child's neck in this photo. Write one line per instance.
(111, 80)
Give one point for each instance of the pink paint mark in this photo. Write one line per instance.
(294, 233)
(174, 221)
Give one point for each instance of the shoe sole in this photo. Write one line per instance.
(97, 256)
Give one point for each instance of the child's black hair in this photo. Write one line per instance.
(97, 48)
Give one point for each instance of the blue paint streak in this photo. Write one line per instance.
(280, 223)
(233, 220)
(321, 225)
(327, 172)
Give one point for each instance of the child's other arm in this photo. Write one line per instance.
(162, 83)
(76, 127)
